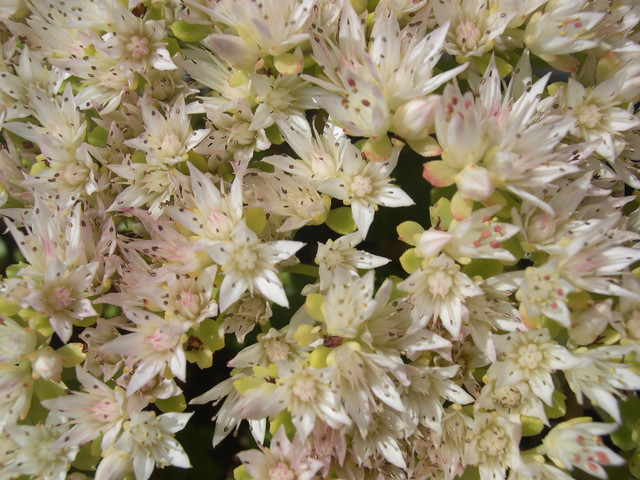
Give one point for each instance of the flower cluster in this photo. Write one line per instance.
(165, 163)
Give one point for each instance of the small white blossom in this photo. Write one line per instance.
(577, 443)
(250, 264)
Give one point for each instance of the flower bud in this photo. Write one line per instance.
(475, 182)
(414, 119)
(46, 364)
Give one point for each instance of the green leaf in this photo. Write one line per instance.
(409, 232)
(97, 137)
(189, 32)
(313, 306)
(72, 354)
(256, 219)
(634, 465)
(341, 221)
(173, 404)
(46, 389)
(624, 437)
(240, 473)
(85, 460)
(558, 406)
(410, 261)
(440, 213)
(531, 426)
(483, 267)
(288, 63)
(208, 333)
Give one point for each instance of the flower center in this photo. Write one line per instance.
(467, 34)
(138, 46)
(589, 115)
(245, 258)
(304, 389)
(103, 410)
(492, 442)
(158, 341)
(507, 397)
(277, 351)
(529, 356)
(333, 258)
(281, 472)
(171, 145)
(361, 186)
(60, 298)
(440, 283)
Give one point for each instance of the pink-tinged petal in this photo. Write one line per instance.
(173, 422)
(304, 423)
(143, 466)
(392, 196)
(363, 214)
(334, 187)
(144, 373)
(178, 364)
(114, 466)
(162, 60)
(62, 326)
(231, 290)
(391, 451)
(234, 50)
(439, 173)
(176, 455)
(269, 285)
(475, 182)
(415, 119)
(432, 242)
(253, 461)
(542, 386)
(283, 249)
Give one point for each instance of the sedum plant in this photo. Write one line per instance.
(200, 197)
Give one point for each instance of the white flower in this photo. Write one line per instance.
(437, 291)
(136, 43)
(426, 392)
(16, 342)
(98, 410)
(309, 398)
(576, 443)
(536, 468)
(474, 25)
(271, 347)
(530, 357)
(145, 443)
(263, 29)
(247, 264)
(365, 185)
(601, 378)
(544, 291)
(480, 235)
(293, 198)
(599, 115)
(494, 445)
(563, 28)
(62, 296)
(283, 460)
(168, 140)
(153, 345)
(16, 390)
(38, 453)
(208, 212)
(341, 254)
